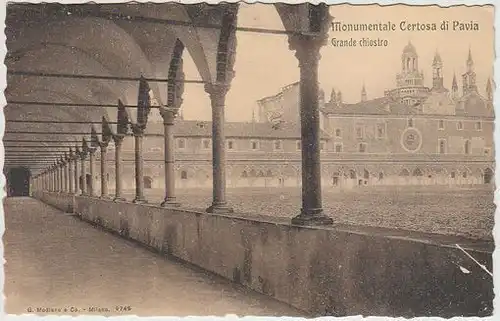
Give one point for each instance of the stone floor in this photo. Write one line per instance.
(56, 261)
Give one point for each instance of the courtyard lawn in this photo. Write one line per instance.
(467, 212)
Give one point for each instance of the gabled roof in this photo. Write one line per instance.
(196, 128)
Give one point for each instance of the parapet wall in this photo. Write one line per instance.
(324, 271)
(62, 201)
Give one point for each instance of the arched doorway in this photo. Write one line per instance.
(18, 182)
(88, 182)
(148, 182)
(488, 176)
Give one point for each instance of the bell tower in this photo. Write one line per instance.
(469, 77)
(437, 72)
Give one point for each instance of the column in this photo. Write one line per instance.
(104, 169)
(118, 167)
(54, 181)
(168, 123)
(139, 165)
(70, 172)
(57, 173)
(307, 52)
(66, 175)
(76, 180)
(217, 94)
(60, 177)
(83, 171)
(91, 171)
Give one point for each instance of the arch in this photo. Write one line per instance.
(352, 174)
(123, 56)
(366, 174)
(148, 182)
(244, 174)
(260, 174)
(488, 176)
(380, 176)
(417, 172)
(184, 174)
(269, 173)
(404, 172)
(18, 181)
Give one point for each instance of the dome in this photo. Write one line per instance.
(409, 49)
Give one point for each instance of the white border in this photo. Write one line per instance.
(442, 3)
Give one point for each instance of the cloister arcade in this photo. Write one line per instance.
(107, 66)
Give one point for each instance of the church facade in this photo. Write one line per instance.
(413, 135)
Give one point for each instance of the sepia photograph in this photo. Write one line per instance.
(299, 160)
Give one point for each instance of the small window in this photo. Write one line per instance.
(453, 174)
(467, 147)
(206, 143)
(478, 126)
(338, 148)
(277, 145)
(380, 130)
(338, 133)
(460, 125)
(441, 124)
(298, 145)
(362, 147)
(322, 145)
(359, 132)
(230, 144)
(184, 175)
(255, 145)
(442, 146)
(380, 176)
(181, 143)
(464, 174)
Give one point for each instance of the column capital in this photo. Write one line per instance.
(104, 144)
(168, 114)
(217, 89)
(138, 129)
(118, 138)
(307, 47)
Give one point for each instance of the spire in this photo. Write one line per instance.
(470, 62)
(363, 92)
(489, 90)
(253, 115)
(339, 97)
(333, 96)
(454, 84)
(437, 59)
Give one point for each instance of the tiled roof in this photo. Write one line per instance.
(470, 105)
(195, 128)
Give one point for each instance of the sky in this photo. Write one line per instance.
(264, 64)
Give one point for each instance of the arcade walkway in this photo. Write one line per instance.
(54, 260)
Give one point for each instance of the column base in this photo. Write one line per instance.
(139, 200)
(105, 197)
(119, 199)
(170, 203)
(220, 209)
(312, 217)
